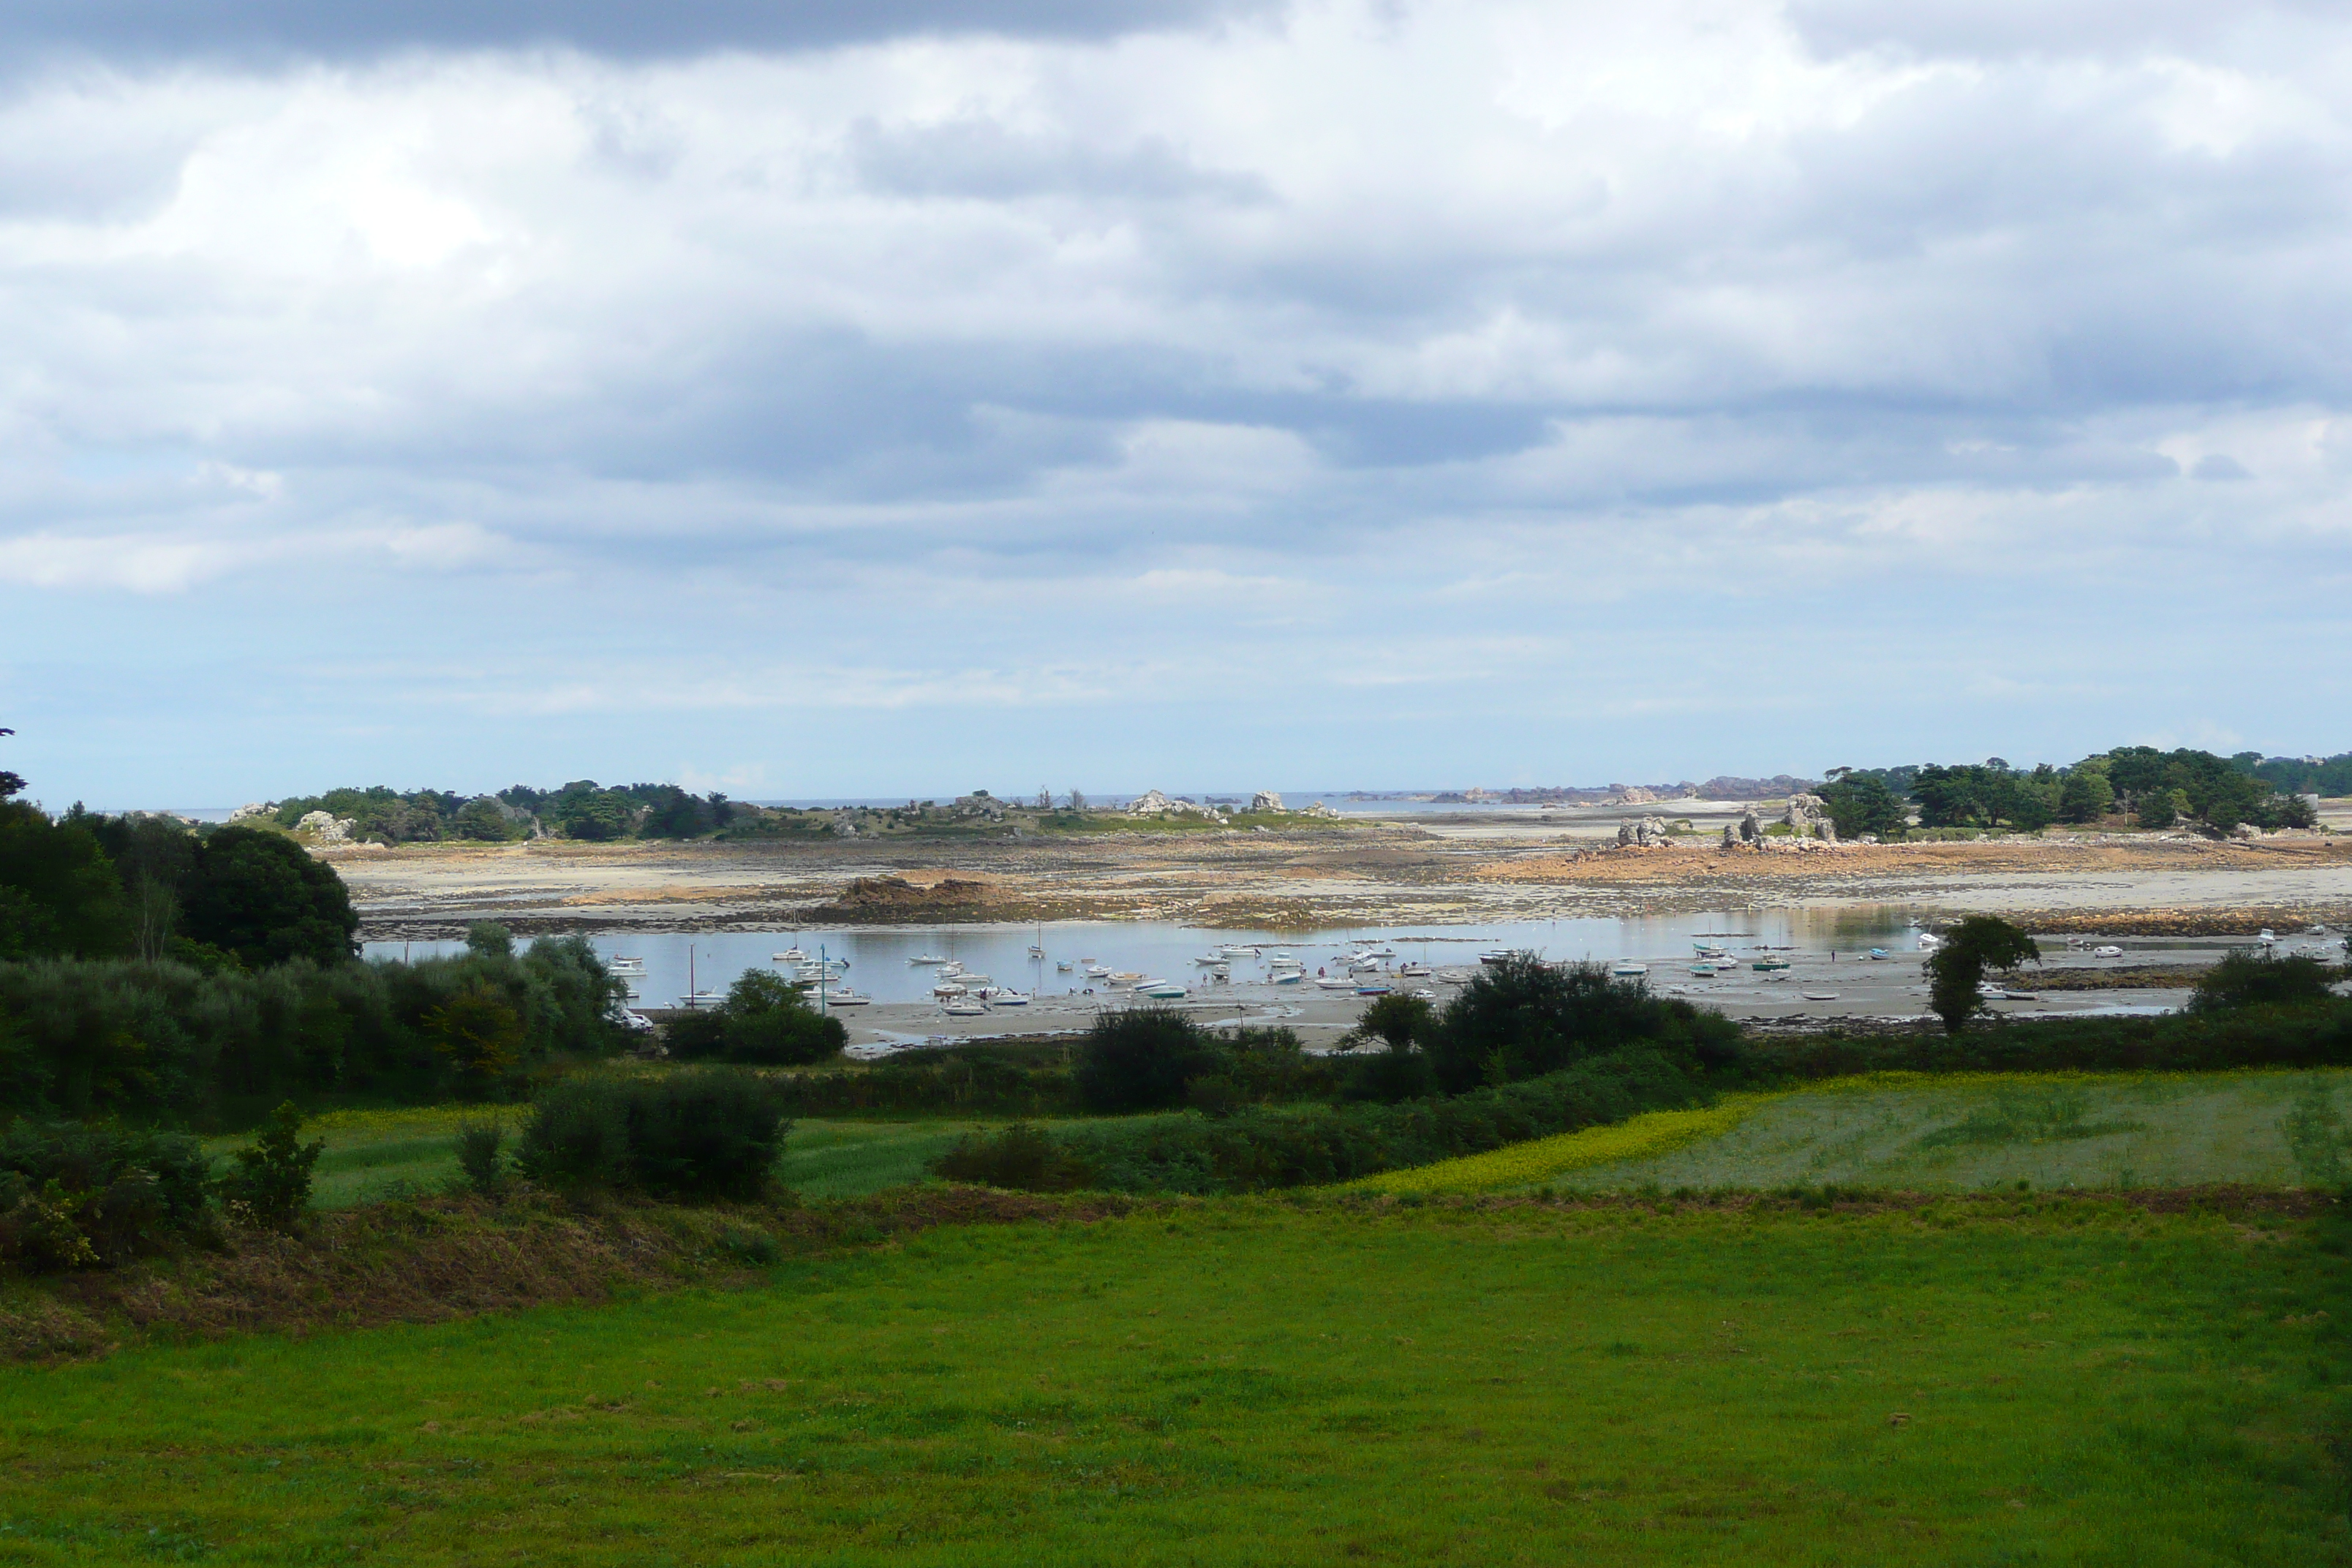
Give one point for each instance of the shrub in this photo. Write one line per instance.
(1019, 1156)
(2253, 1037)
(478, 1146)
(1524, 1019)
(2243, 979)
(271, 1182)
(1388, 1076)
(78, 1195)
(1141, 1059)
(704, 1132)
(765, 1021)
(1260, 1148)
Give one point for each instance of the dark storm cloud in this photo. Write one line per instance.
(265, 30)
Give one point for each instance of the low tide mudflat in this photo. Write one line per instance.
(1995, 1380)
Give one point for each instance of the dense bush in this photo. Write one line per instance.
(1302, 1145)
(1523, 1019)
(76, 1195)
(1019, 1156)
(97, 1037)
(765, 1021)
(2304, 1036)
(698, 1133)
(963, 1080)
(2243, 979)
(1141, 1059)
(263, 897)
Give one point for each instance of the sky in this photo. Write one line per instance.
(806, 400)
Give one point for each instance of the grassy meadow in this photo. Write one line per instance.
(2006, 1380)
(1903, 1131)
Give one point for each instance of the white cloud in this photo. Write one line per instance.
(1505, 345)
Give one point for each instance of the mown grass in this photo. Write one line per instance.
(1980, 1129)
(1250, 1382)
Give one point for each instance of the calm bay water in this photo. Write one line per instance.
(878, 968)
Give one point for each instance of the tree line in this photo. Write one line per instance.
(2138, 785)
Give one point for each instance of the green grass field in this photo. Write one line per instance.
(2057, 1381)
(2054, 1130)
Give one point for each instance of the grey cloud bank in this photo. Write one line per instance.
(1394, 394)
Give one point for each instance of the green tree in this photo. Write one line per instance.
(11, 784)
(1523, 1019)
(1861, 803)
(1142, 1059)
(264, 898)
(2086, 794)
(271, 1182)
(2243, 979)
(59, 894)
(1957, 969)
(597, 815)
(481, 819)
(1398, 1021)
(480, 1034)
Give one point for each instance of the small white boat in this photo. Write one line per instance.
(700, 999)
(1211, 961)
(949, 990)
(616, 964)
(1037, 952)
(1877, 952)
(1500, 955)
(1096, 971)
(1712, 950)
(1289, 977)
(2110, 951)
(965, 1007)
(1337, 982)
(2268, 937)
(1378, 952)
(847, 999)
(1930, 942)
(1160, 991)
(1374, 988)
(1008, 999)
(1819, 995)
(1231, 950)
(1413, 971)
(1061, 966)
(790, 955)
(919, 959)
(1626, 969)
(967, 979)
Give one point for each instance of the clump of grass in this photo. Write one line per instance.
(2015, 1117)
(479, 1145)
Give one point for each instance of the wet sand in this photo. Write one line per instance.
(1429, 871)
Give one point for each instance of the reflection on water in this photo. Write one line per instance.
(879, 965)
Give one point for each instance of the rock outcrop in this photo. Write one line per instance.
(1648, 833)
(325, 827)
(1750, 829)
(1267, 800)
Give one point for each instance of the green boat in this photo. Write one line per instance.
(1769, 963)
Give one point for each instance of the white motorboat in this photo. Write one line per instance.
(1008, 999)
(1337, 982)
(2110, 951)
(1096, 971)
(1211, 961)
(847, 999)
(1712, 950)
(1413, 971)
(967, 979)
(1232, 951)
(700, 999)
(1061, 966)
(1378, 952)
(2268, 937)
(1626, 969)
(1289, 977)
(1499, 955)
(919, 959)
(948, 990)
(1820, 996)
(965, 1007)
(1160, 991)
(616, 964)
(790, 955)
(1930, 942)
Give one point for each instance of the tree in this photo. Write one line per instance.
(1957, 969)
(2243, 979)
(480, 1034)
(1861, 803)
(596, 815)
(1523, 1019)
(11, 784)
(2086, 794)
(2162, 807)
(59, 894)
(1142, 1059)
(1077, 801)
(272, 1179)
(261, 896)
(487, 939)
(481, 820)
(1398, 1021)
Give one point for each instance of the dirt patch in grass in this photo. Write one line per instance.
(429, 1259)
